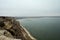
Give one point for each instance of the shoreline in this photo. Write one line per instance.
(27, 33)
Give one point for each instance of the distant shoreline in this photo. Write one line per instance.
(38, 17)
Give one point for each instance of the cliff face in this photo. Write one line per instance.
(11, 29)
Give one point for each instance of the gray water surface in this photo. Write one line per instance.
(43, 28)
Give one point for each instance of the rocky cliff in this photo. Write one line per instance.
(10, 29)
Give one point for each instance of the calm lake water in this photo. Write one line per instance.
(43, 28)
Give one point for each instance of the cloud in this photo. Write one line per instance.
(30, 7)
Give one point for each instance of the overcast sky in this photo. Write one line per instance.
(29, 7)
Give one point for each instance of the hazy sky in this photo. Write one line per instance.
(30, 7)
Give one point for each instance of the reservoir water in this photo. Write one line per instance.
(43, 28)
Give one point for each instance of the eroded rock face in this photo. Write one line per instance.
(10, 29)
